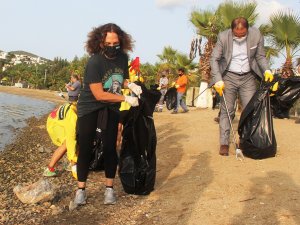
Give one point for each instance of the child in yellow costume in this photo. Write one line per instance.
(61, 127)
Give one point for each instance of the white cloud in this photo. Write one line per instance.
(267, 7)
(170, 3)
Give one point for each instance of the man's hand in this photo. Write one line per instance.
(177, 86)
(159, 88)
(136, 89)
(133, 101)
(268, 76)
(219, 87)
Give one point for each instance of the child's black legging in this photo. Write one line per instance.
(86, 133)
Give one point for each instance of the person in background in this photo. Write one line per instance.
(237, 60)
(163, 87)
(180, 85)
(73, 88)
(107, 46)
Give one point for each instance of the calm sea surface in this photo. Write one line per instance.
(14, 110)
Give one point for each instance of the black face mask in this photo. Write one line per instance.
(112, 51)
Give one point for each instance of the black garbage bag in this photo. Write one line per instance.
(171, 98)
(137, 163)
(97, 160)
(257, 138)
(285, 97)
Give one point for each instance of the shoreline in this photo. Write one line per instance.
(50, 97)
(45, 95)
(25, 158)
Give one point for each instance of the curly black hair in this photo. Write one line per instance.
(96, 38)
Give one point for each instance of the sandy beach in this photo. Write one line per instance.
(194, 185)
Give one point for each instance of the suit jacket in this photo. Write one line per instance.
(222, 53)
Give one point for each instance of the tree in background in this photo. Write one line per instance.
(283, 31)
(170, 61)
(77, 65)
(149, 73)
(271, 51)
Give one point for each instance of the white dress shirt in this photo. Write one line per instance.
(239, 60)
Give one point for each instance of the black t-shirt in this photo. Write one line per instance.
(111, 73)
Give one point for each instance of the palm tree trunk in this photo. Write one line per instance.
(287, 70)
(205, 100)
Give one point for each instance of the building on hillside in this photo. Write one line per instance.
(17, 57)
(3, 54)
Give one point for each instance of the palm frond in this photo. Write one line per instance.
(229, 10)
(285, 29)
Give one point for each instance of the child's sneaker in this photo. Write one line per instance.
(48, 173)
(110, 197)
(68, 167)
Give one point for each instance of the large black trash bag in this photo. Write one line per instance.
(137, 163)
(285, 97)
(171, 98)
(97, 160)
(257, 138)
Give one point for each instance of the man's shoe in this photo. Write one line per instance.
(67, 167)
(185, 111)
(217, 119)
(297, 120)
(174, 112)
(110, 197)
(224, 150)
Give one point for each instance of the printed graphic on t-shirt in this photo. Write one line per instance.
(114, 84)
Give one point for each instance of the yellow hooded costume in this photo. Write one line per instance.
(61, 126)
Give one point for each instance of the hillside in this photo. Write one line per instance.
(25, 53)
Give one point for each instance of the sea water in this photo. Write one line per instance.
(14, 110)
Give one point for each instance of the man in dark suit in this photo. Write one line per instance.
(238, 59)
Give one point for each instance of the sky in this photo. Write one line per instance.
(59, 28)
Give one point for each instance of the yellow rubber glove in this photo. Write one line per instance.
(275, 87)
(158, 88)
(173, 84)
(176, 85)
(219, 87)
(268, 76)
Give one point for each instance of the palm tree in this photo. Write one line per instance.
(170, 61)
(168, 55)
(229, 10)
(271, 51)
(207, 26)
(284, 34)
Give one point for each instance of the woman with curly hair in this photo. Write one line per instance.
(107, 66)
